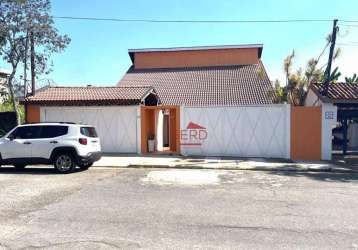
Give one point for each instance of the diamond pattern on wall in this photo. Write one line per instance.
(116, 126)
(245, 131)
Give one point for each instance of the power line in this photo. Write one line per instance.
(348, 44)
(351, 42)
(349, 25)
(191, 21)
(324, 49)
(349, 21)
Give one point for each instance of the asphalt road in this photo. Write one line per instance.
(177, 209)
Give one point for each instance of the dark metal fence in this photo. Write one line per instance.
(7, 122)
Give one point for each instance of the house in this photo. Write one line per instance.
(4, 74)
(208, 101)
(344, 98)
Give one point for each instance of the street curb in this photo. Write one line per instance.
(286, 169)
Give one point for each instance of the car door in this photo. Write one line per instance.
(18, 144)
(48, 140)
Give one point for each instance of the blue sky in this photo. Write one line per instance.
(98, 51)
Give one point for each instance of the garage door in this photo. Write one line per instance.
(243, 131)
(116, 126)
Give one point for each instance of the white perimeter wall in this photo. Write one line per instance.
(118, 126)
(245, 131)
(329, 122)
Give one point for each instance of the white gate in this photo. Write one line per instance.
(116, 126)
(244, 131)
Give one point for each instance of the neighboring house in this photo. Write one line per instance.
(344, 98)
(4, 74)
(209, 101)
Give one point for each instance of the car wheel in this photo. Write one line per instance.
(19, 166)
(85, 166)
(64, 163)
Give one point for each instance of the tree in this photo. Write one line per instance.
(19, 19)
(352, 80)
(333, 78)
(298, 82)
(287, 65)
(279, 93)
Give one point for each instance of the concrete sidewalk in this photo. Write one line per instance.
(226, 163)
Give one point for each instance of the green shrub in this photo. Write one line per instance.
(7, 107)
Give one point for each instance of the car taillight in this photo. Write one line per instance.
(82, 141)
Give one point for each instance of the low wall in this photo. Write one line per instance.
(7, 122)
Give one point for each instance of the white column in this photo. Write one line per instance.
(139, 131)
(183, 120)
(329, 121)
(42, 114)
(159, 129)
(288, 131)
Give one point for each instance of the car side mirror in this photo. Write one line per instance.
(11, 137)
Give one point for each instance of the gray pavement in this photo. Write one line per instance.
(226, 163)
(177, 209)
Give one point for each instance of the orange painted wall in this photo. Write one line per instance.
(174, 59)
(174, 123)
(148, 126)
(306, 133)
(32, 113)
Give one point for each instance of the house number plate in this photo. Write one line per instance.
(329, 115)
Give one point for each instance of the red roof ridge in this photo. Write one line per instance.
(130, 95)
(340, 92)
(97, 87)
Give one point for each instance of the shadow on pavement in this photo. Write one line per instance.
(32, 171)
(350, 160)
(320, 176)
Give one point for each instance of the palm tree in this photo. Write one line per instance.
(352, 80)
(287, 65)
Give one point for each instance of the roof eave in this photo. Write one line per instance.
(150, 91)
(128, 102)
(324, 99)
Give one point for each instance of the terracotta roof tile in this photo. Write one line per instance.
(338, 92)
(90, 95)
(218, 85)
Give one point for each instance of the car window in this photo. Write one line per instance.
(26, 132)
(89, 131)
(53, 131)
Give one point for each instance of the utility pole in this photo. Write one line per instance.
(330, 59)
(25, 65)
(32, 57)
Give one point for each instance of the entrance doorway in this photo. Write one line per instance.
(345, 135)
(166, 128)
(160, 129)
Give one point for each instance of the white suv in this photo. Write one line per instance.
(63, 144)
